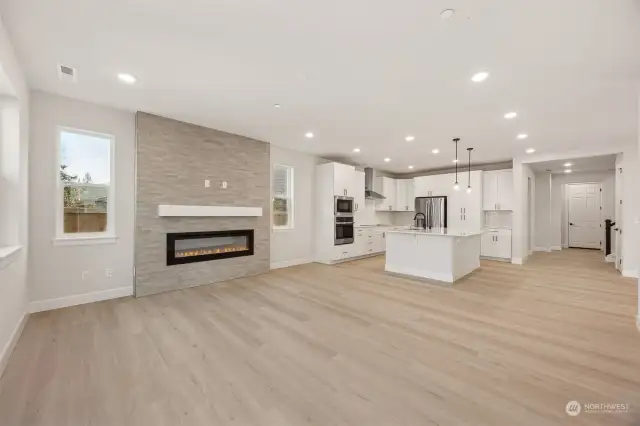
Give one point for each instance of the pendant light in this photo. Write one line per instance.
(455, 185)
(469, 168)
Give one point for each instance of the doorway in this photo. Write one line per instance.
(584, 214)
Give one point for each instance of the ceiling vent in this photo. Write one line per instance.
(66, 73)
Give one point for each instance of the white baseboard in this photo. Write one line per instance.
(631, 273)
(288, 263)
(638, 321)
(610, 259)
(79, 299)
(13, 341)
(547, 249)
(516, 261)
(555, 248)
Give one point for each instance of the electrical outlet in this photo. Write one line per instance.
(108, 273)
(223, 185)
(85, 275)
(207, 183)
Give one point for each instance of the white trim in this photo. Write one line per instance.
(290, 196)
(13, 341)
(166, 210)
(547, 249)
(80, 299)
(516, 261)
(638, 321)
(556, 248)
(631, 273)
(288, 263)
(8, 254)
(85, 240)
(111, 212)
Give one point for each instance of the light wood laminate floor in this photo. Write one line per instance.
(340, 345)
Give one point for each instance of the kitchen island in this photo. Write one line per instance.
(435, 254)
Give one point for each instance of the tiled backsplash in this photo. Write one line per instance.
(498, 219)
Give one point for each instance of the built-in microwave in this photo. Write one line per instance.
(343, 230)
(343, 205)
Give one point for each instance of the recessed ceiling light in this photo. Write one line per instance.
(447, 14)
(411, 167)
(435, 151)
(455, 160)
(356, 149)
(410, 138)
(309, 135)
(510, 115)
(522, 136)
(568, 164)
(567, 171)
(530, 151)
(386, 160)
(127, 78)
(276, 105)
(481, 76)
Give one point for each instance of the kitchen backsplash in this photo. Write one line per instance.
(498, 219)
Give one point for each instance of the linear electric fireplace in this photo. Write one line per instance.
(188, 247)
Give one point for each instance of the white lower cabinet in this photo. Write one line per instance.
(496, 243)
(367, 241)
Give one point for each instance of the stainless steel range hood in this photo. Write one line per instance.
(369, 179)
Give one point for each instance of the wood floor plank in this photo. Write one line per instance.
(340, 345)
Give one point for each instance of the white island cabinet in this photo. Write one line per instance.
(443, 255)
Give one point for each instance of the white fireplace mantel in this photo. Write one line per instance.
(169, 210)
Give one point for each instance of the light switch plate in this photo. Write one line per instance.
(223, 185)
(207, 183)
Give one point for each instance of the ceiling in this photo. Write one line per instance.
(601, 163)
(356, 73)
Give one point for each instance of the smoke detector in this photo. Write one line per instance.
(447, 14)
(67, 73)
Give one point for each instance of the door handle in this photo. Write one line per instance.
(571, 223)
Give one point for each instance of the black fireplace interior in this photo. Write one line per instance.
(188, 247)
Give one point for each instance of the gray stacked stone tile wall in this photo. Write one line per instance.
(173, 161)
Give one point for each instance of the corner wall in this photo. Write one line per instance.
(14, 294)
(56, 271)
(295, 246)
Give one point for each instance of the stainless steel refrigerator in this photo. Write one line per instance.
(434, 210)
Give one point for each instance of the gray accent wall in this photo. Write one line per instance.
(173, 161)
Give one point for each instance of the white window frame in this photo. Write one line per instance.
(85, 238)
(290, 196)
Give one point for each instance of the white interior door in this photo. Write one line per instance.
(584, 215)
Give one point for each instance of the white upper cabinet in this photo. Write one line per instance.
(357, 191)
(433, 186)
(505, 190)
(387, 187)
(405, 201)
(343, 178)
(498, 190)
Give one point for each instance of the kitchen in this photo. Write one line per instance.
(362, 215)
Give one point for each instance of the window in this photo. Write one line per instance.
(85, 189)
(282, 197)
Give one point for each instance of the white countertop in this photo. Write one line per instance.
(442, 232)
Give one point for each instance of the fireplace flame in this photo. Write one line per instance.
(205, 252)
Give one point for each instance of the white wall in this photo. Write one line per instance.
(542, 238)
(523, 222)
(56, 272)
(630, 212)
(556, 227)
(295, 246)
(13, 278)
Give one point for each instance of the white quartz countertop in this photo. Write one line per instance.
(442, 232)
